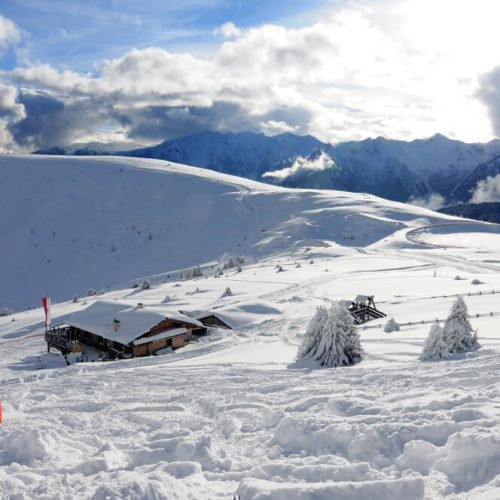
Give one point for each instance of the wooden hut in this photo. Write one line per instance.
(363, 309)
(121, 330)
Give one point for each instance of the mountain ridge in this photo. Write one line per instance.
(393, 169)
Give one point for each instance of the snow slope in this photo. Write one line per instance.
(81, 223)
(234, 413)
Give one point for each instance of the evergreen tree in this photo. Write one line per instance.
(311, 341)
(331, 338)
(458, 334)
(434, 345)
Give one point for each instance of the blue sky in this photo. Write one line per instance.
(80, 34)
(122, 70)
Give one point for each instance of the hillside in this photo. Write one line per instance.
(80, 223)
(234, 412)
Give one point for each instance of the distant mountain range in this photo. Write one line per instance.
(396, 170)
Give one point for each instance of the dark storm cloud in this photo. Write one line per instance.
(51, 121)
(157, 123)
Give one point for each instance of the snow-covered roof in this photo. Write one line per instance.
(167, 334)
(201, 314)
(362, 298)
(134, 321)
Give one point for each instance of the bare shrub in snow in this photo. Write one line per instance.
(146, 284)
(227, 293)
(475, 281)
(434, 345)
(391, 326)
(91, 292)
(331, 338)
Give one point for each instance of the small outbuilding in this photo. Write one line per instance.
(363, 309)
(121, 330)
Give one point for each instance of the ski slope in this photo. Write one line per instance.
(235, 413)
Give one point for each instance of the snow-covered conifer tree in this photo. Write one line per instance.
(331, 338)
(391, 326)
(434, 345)
(311, 341)
(458, 334)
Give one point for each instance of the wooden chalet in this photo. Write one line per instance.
(123, 331)
(210, 318)
(363, 309)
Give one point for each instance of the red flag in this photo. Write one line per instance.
(46, 308)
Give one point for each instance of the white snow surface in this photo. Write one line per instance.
(234, 413)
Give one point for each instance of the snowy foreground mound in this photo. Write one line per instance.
(71, 224)
(234, 413)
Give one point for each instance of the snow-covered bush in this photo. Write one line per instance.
(475, 281)
(227, 293)
(279, 269)
(146, 284)
(434, 346)
(391, 326)
(456, 335)
(331, 338)
(6, 311)
(91, 292)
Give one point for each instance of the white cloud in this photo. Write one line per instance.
(302, 165)
(9, 32)
(359, 71)
(487, 190)
(274, 127)
(228, 30)
(433, 202)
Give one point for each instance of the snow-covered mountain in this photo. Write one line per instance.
(244, 154)
(396, 170)
(233, 412)
(74, 223)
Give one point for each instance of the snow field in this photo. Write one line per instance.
(235, 413)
